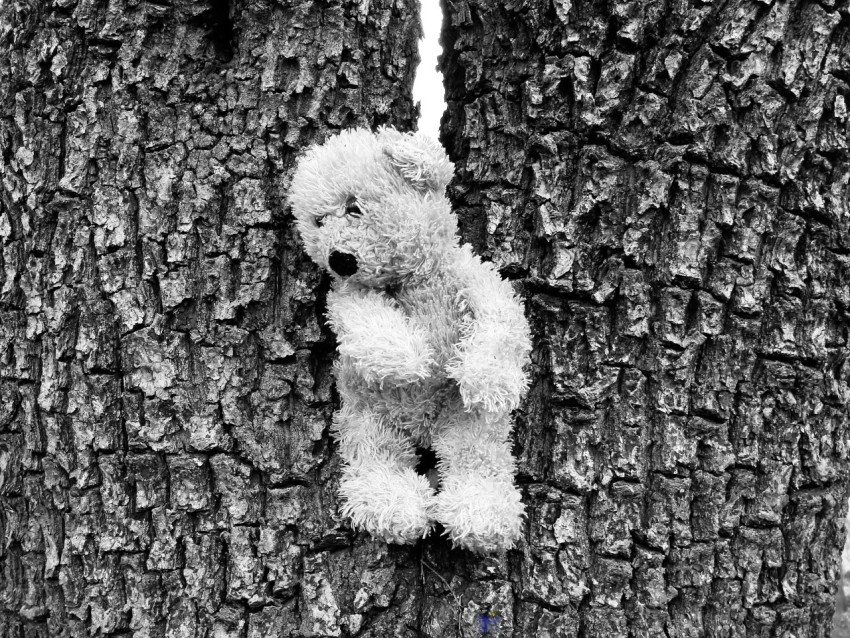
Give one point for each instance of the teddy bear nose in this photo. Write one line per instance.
(343, 264)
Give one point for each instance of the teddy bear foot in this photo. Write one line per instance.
(388, 503)
(481, 514)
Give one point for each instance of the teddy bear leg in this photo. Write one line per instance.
(380, 489)
(478, 503)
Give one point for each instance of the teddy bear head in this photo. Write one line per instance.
(371, 207)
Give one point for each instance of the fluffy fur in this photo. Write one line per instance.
(432, 342)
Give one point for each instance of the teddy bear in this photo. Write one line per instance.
(432, 342)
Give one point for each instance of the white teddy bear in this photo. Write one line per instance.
(432, 342)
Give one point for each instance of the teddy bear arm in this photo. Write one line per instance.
(489, 360)
(382, 344)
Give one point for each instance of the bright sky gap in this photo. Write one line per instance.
(428, 86)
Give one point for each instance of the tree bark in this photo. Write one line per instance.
(668, 186)
(668, 183)
(165, 386)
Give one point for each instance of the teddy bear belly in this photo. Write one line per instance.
(419, 409)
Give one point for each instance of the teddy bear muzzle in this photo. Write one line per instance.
(343, 264)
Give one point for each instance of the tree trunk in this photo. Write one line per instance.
(165, 387)
(669, 185)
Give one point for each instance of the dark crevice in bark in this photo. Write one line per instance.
(218, 22)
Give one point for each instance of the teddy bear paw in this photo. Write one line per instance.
(480, 514)
(487, 380)
(388, 503)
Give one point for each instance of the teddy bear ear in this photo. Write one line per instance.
(419, 159)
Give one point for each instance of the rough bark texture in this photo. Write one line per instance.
(669, 187)
(165, 390)
(669, 184)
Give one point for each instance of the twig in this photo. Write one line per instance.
(424, 562)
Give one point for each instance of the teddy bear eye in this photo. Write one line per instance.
(351, 208)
